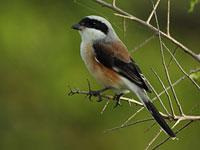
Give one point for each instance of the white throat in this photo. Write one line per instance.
(89, 34)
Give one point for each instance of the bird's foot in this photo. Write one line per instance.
(117, 98)
(96, 93)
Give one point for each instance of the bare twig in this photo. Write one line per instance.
(130, 124)
(145, 42)
(181, 67)
(151, 126)
(165, 68)
(114, 4)
(185, 117)
(154, 9)
(131, 100)
(137, 103)
(132, 116)
(163, 106)
(171, 86)
(106, 104)
(176, 82)
(170, 61)
(129, 103)
(155, 137)
(124, 26)
(169, 98)
(176, 123)
(77, 91)
(187, 124)
(129, 16)
(193, 108)
(168, 17)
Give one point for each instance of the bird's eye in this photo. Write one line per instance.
(82, 23)
(93, 23)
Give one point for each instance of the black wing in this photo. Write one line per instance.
(129, 70)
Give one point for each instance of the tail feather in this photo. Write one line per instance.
(141, 94)
(154, 112)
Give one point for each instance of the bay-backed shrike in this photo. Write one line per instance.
(110, 63)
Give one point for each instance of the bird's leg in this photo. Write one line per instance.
(96, 93)
(117, 98)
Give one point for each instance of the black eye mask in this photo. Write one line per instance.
(93, 23)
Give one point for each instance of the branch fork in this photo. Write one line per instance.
(171, 116)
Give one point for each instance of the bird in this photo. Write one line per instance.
(110, 63)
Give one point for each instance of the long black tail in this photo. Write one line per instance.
(142, 95)
(154, 112)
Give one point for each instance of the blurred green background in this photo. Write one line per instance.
(39, 60)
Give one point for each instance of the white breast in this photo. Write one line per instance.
(85, 52)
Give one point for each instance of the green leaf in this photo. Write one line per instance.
(196, 77)
(192, 5)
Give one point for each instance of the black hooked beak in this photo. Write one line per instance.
(76, 27)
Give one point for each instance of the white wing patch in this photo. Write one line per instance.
(116, 69)
(96, 60)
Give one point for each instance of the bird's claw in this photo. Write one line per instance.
(117, 104)
(117, 98)
(96, 94)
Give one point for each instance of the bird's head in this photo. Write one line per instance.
(92, 28)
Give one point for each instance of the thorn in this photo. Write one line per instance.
(95, 93)
(71, 92)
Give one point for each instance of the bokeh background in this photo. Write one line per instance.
(40, 59)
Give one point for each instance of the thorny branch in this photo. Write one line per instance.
(124, 14)
(109, 97)
(166, 115)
